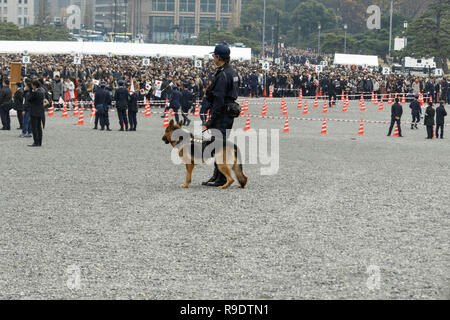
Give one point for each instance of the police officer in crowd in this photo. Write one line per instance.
(175, 101)
(18, 104)
(429, 120)
(5, 104)
(102, 103)
(441, 113)
(121, 99)
(133, 110)
(36, 109)
(416, 111)
(222, 91)
(26, 129)
(396, 115)
(186, 104)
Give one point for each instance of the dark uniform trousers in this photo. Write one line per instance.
(132, 119)
(415, 118)
(441, 127)
(104, 119)
(36, 128)
(6, 120)
(430, 132)
(123, 119)
(393, 121)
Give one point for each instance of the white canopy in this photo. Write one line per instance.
(122, 49)
(355, 59)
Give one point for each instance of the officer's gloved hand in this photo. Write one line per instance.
(209, 124)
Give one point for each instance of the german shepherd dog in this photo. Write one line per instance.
(227, 158)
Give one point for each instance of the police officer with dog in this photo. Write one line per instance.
(222, 94)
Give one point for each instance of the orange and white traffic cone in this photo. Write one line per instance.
(51, 111)
(148, 111)
(242, 109)
(247, 124)
(324, 126)
(344, 106)
(286, 125)
(390, 99)
(75, 109)
(81, 117)
(375, 101)
(264, 108)
(361, 128)
(381, 105)
(362, 103)
(373, 98)
(299, 104)
(325, 107)
(166, 120)
(403, 98)
(93, 111)
(270, 93)
(246, 105)
(396, 133)
(305, 108)
(316, 103)
(65, 114)
(172, 114)
(197, 109)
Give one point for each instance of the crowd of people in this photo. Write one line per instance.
(63, 82)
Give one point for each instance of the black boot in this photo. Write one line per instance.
(95, 128)
(213, 178)
(102, 129)
(220, 181)
(121, 128)
(107, 128)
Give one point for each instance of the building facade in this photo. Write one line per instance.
(165, 20)
(112, 14)
(19, 12)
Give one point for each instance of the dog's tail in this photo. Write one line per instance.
(238, 168)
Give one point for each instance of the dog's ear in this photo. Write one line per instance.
(171, 123)
(180, 123)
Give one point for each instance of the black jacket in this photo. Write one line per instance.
(5, 98)
(441, 113)
(102, 100)
(36, 104)
(121, 98)
(133, 102)
(397, 110)
(429, 116)
(18, 99)
(415, 107)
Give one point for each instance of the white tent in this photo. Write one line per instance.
(355, 59)
(121, 49)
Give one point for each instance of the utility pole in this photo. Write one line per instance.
(390, 31)
(264, 31)
(276, 37)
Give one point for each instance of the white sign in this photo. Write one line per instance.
(146, 62)
(25, 59)
(77, 60)
(74, 19)
(158, 93)
(324, 63)
(266, 66)
(438, 72)
(319, 68)
(158, 84)
(399, 43)
(386, 71)
(198, 64)
(307, 63)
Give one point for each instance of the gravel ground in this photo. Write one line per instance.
(109, 204)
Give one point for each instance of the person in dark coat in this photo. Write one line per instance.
(205, 106)
(441, 113)
(133, 110)
(222, 91)
(175, 101)
(186, 104)
(429, 119)
(121, 99)
(102, 103)
(416, 111)
(37, 114)
(396, 115)
(26, 130)
(5, 105)
(18, 104)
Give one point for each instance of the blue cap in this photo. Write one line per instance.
(222, 50)
(121, 82)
